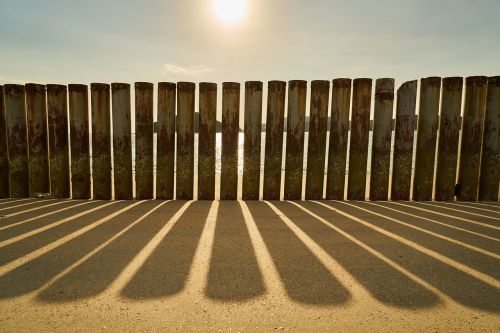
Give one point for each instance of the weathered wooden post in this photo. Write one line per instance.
(165, 150)
(430, 89)
(294, 165)
(403, 141)
(4, 161)
(101, 141)
(449, 129)
(79, 136)
(490, 161)
(318, 121)
(381, 144)
(339, 130)
(252, 149)
(17, 140)
(57, 109)
(185, 140)
(38, 154)
(472, 135)
(360, 122)
(230, 130)
(274, 139)
(143, 140)
(122, 144)
(206, 140)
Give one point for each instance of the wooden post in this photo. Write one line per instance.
(252, 141)
(38, 153)
(79, 136)
(57, 109)
(4, 160)
(185, 140)
(101, 141)
(449, 129)
(17, 144)
(206, 141)
(274, 139)
(490, 161)
(360, 122)
(403, 141)
(165, 150)
(294, 165)
(472, 134)
(430, 89)
(339, 130)
(144, 140)
(318, 120)
(381, 144)
(230, 129)
(122, 141)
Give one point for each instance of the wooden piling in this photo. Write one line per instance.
(381, 143)
(472, 134)
(79, 137)
(101, 141)
(4, 160)
(206, 141)
(490, 161)
(403, 141)
(430, 89)
(185, 140)
(144, 140)
(17, 140)
(252, 141)
(38, 153)
(230, 130)
(449, 129)
(360, 122)
(339, 130)
(294, 165)
(122, 141)
(274, 139)
(318, 121)
(57, 110)
(165, 150)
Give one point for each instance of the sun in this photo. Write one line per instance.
(229, 11)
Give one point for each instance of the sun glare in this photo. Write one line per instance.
(229, 11)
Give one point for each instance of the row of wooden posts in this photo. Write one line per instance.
(38, 133)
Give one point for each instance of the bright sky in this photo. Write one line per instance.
(58, 41)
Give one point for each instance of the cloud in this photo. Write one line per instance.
(193, 70)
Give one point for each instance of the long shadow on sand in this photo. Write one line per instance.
(94, 275)
(234, 274)
(305, 278)
(383, 281)
(165, 271)
(458, 285)
(34, 274)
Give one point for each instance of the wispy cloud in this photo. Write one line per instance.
(192, 70)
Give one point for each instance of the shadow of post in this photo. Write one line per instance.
(34, 274)
(34, 242)
(234, 274)
(382, 281)
(458, 285)
(305, 278)
(165, 271)
(95, 274)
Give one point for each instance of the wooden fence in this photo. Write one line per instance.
(45, 136)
